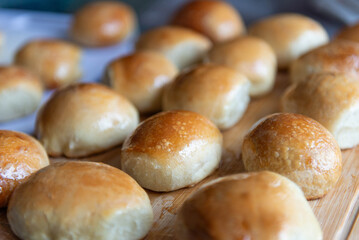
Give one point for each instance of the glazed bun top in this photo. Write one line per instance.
(260, 205)
(217, 20)
(84, 119)
(182, 46)
(57, 62)
(339, 56)
(290, 35)
(175, 131)
(103, 23)
(20, 156)
(14, 76)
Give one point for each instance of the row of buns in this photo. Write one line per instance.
(179, 148)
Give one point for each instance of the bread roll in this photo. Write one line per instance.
(20, 156)
(252, 57)
(217, 92)
(80, 200)
(103, 23)
(337, 57)
(350, 33)
(333, 100)
(182, 46)
(84, 119)
(290, 35)
(172, 150)
(297, 147)
(261, 206)
(55, 61)
(20, 92)
(217, 20)
(141, 77)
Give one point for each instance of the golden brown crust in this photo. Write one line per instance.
(55, 61)
(340, 56)
(323, 97)
(252, 57)
(218, 20)
(64, 121)
(103, 23)
(262, 206)
(349, 33)
(218, 92)
(297, 147)
(141, 77)
(13, 76)
(182, 46)
(20, 156)
(169, 132)
(284, 32)
(80, 200)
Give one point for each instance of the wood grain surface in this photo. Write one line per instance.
(336, 212)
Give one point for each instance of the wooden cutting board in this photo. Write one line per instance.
(336, 212)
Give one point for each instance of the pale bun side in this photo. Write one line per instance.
(290, 35)
(141, 77)
(330, 98)
(20, 92)
(297, 147)
(80, 200)
(215, 91)
(182, 46)
(20, 156)
(339, 56)
(56, 62)
(217, 20)
(172, 150)
(103, 23)
(260, 205)
(84, 119)
(250, 56)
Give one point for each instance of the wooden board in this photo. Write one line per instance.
(336, 212)
(354, 233)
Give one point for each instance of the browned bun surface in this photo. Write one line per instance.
(217, 20)
(103, 23)
(20, 92)
(261, 206)
(57, 62)
(84, 119)
(20, 156)
(172, 150)
(297, 147)
(141, 77)
(80, 200)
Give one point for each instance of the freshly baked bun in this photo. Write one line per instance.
(55, 61)
(84, 119)
(350, 33)
(297, 147)
(337, 57)
(141, 77)
(103, 23)
(20, 156)
(261, 206)
(217, 20)
(20, 92)
(330, 98)
(290, 35)
(252, 57)
(80, 200)
(182, 46)
(217, 92)
(172, 150)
